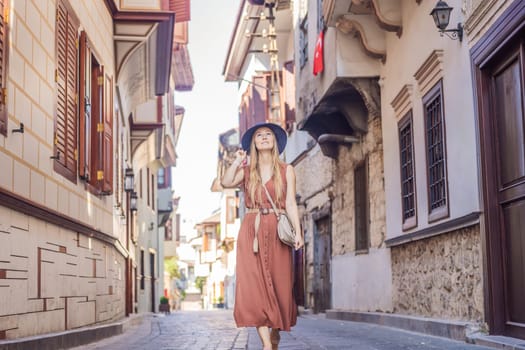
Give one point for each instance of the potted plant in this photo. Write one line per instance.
(164, 305)
(220, 302)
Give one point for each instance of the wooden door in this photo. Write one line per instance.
(500, 64)
(322, 257)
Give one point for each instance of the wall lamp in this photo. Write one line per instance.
(129, 179)
(441, 15)
(133, 201)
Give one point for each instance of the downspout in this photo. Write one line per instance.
(337, 138)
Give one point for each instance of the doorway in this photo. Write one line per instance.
(499, 59)
(322, 284)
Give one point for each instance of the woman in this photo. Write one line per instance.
(263, 293)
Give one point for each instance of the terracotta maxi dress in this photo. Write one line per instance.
(263, 292)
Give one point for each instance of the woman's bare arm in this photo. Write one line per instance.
(233, 176)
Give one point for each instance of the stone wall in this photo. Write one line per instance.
(313, 184)
(440, 277)
(343, 234)
(53, 279)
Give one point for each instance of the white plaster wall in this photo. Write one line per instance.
(362, 282)
(404, 58)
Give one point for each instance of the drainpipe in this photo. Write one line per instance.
(338, 138)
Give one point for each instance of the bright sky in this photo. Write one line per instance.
(211, 109)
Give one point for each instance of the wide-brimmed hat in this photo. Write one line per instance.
(280, 136)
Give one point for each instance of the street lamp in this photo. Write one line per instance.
(441, 15)
(129, 179)
(133, 201)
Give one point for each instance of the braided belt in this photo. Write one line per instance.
(263, 211)
(259, 212)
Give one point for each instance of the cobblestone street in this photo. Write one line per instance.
(216, 330)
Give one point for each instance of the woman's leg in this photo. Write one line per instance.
(275, 337)
(264, 334)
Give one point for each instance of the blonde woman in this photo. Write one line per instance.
(264, 276)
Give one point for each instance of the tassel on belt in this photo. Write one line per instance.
(259, 211)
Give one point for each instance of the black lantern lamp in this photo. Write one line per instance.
(133, 201)
(441, 15)
(129, 179)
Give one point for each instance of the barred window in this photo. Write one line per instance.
(406, 149)
(436, 159)
(303, 42)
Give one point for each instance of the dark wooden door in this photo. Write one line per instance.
(153, 279)
(322, 257)
(500, 66)
(509, 135)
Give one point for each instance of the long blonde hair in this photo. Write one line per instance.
(255, 180)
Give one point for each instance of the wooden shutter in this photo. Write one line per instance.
(97, 129)
(289, 94)
(3, 67)
(84, 120)
(260, 99)
(66, 80)
(181, 9)
(107, 141)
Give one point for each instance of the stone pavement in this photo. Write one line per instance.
(195, 330)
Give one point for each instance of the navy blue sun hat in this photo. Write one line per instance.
(280, 136)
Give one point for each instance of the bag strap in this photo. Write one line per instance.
(271, 201)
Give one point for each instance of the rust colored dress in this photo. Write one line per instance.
(263, 292)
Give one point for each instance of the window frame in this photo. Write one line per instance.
(362, 165)
(407, 121)
(303, 42)
(4, 65)
(441, 212)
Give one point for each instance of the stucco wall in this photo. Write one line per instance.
(420, 38)
(31, 100)
(440, 277)
(55, 279)
(343, 211)
(362, 282)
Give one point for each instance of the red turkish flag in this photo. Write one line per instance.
(318, 54)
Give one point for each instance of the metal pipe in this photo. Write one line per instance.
(338, 138)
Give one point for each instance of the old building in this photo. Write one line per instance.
(85, 105)
(230, 213)
(411, 183)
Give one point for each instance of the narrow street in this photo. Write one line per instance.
(216, 330)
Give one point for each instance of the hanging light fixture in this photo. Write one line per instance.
(133, 201)
(129, 179)
(441, 15)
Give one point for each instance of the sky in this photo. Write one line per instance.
(211, 109)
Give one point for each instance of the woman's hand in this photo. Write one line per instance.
(240, 157)
(299, 241)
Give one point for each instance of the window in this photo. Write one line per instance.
(406, 150)
(303, 42)
(148, 198)
(160, 177)
(3, 65)
(168, 230)
(320, 17)
(95, 121)
(436, 158)
(142, 267)
(65, 138)
(84, 110)
(153, 183)
(361, 206)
